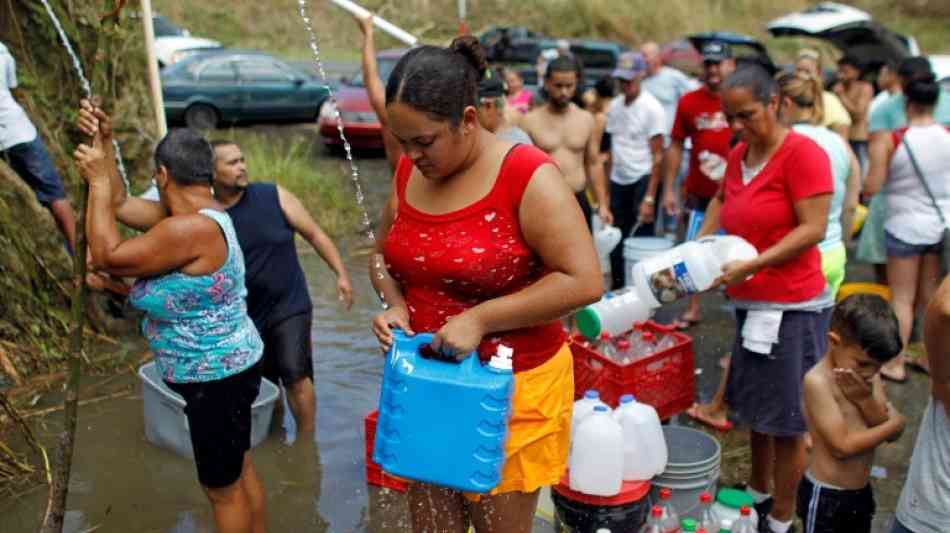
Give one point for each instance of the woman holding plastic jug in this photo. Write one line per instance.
(468, 249)
(775, 194)
(191, 288)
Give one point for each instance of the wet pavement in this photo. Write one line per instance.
(123, 483)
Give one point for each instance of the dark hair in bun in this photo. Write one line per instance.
(439, 81)
(922, 90)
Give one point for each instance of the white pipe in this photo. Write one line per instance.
(463, 11)
(154, 85)
(381, 23)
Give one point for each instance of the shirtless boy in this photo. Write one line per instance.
(848, 416)
(568, 134)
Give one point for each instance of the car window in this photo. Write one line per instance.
(218, 71)
(385, 66)
(594, 57)
(263, 70)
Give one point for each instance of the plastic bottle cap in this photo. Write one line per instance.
(665, 494)
(734, 499)
(688, 525)
(600, 409)
(657, 511)
(745, 511)
(649, 336)
(591, 394)
(623, 344)
(705, 498)
(502, 358)
(605, 336)
(588, 323)
(627, 398)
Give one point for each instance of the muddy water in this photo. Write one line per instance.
(122, 483)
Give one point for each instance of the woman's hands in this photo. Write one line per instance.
(736, 272)
(460, 336)
(396, 316)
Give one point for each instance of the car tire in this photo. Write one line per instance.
(201, 117)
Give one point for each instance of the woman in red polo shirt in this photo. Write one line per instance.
(468, 249)
(776, 194)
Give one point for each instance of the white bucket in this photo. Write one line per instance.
(636, 249)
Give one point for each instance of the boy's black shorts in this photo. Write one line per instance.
(219, 419)
(829, 510)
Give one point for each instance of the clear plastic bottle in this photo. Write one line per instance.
(653, 524)
(647, 344)
(744, 524)
(606, 347)
(670, 523)
(665, 342)
(623, 352)
(706, 517)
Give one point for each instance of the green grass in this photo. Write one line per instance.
(274, 25)
(289, 161)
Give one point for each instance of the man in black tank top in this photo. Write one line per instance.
(266, 218)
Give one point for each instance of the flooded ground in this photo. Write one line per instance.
(122, 483)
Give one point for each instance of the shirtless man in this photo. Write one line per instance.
(568, 134)
(855, 95)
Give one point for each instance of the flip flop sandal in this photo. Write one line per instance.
(693, 413)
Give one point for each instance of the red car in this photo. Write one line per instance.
(360, 124)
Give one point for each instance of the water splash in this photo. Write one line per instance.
(354, 171)
(83, 81)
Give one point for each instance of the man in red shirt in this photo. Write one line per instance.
(699, 118)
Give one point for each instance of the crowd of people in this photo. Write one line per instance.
(485, 239)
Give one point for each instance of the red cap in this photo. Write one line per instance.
(745, 511)
(656, 512)
(623, 344)
(649, 336)
(701, 530)
(605, 336)
(666, 494)
(705, 497)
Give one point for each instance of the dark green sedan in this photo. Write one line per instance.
(228, 86)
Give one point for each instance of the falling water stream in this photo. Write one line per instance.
(84, 82)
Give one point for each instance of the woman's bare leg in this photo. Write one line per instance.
(435, 509)
(511, 512)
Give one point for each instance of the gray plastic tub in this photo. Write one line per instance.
(692, 467)
(166, 425)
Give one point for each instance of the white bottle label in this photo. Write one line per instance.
(669, 280)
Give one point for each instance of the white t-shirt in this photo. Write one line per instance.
(911, 215)
(668, 85)
(631, 127)
(15, 126)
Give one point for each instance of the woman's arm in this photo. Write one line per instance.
(880, 148)
(812, 215)
(852, 197)
(397, 312)
(564, 245)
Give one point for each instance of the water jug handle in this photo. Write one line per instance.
(428, 352)
(404, 343)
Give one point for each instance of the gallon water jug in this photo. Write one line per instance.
(441, 421)
(596, 465)
(613, 313)
(583, 408)
(644, 444)
(687, 269)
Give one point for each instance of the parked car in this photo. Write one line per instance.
(850, 30)
(360, 124)
(226, 86)
(172, 43)
(511, 44)
(744, 48)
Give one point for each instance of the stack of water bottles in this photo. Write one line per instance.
(609, 447)
(663, 519)
(634, 345)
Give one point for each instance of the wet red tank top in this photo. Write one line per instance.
(448, 263)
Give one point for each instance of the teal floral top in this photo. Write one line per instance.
(197, 326)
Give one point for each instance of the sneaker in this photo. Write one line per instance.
(763, 508)
(764, 523)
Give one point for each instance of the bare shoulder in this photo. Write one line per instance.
(818, 378)
(530, 119)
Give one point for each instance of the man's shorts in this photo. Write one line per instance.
(219, 418)
(825, 509)
(32, 162)
(288, 354)
(765, 391)
(898, 248)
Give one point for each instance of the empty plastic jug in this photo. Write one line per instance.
(689, 268)
(583, 408)
(653, 524)
(645, 451)
(442, 421)
(596, 464)
(613, 313)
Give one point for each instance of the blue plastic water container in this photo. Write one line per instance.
(442, 422)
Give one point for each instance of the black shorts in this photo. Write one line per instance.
(827, 510)
(585, 206)
(288, 355)
(32, 162)
(765, 391)
(219, 418)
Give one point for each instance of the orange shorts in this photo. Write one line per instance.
(539, 433)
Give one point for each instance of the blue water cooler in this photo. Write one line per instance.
(441, 421)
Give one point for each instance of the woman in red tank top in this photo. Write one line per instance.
(482, 243)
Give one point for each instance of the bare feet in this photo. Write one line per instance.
(894, 370)
(710, 415)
